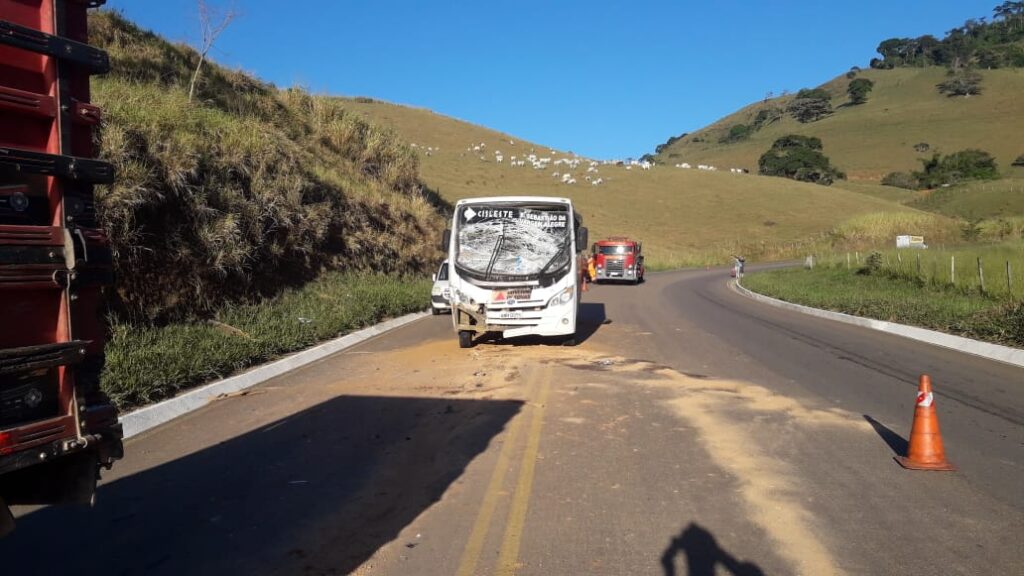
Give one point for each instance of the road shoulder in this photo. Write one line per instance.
(995, 352)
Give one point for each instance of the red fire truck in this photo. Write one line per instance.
(56, 427)
(618, 258)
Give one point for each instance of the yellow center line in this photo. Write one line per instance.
(509, 555)
(475, 544)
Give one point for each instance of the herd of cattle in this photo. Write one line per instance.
(566, 165)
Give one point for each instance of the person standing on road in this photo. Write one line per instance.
(591, 270)
(740, 262)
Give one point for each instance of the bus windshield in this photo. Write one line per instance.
(496, 241)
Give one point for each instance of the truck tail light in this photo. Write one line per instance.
(6, 441)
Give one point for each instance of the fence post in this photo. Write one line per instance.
(848, 261)
(952, 270)
(857, 256)
(981, 276)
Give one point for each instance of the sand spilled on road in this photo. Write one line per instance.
(771, 493)
(723, 412)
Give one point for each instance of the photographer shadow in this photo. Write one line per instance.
(703, 555)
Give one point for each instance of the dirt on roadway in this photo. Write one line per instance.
(408, 455)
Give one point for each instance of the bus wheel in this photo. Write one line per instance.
(570, 341)
(465, 339)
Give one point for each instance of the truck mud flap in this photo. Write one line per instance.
(70, 479)
(15, 360)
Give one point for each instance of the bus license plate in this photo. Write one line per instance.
(510, 315)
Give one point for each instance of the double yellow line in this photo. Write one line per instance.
(511, 541)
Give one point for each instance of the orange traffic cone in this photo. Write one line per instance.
(926, 451)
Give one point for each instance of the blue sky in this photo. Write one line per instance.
(601, 78)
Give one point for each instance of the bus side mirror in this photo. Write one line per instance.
(446, 240)
(581, 238)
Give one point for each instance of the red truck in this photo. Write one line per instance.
(56, 427)
(618, 258)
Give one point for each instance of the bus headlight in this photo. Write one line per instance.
(563, 297)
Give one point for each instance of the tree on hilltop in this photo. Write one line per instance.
(858, 90)
(810, 105)
(766, 116)
(799, 158)
(961, 82)
(212, 22)
(969, 164)
(1012, 13)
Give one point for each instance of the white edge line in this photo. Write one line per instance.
(999, 353)
(148, 417)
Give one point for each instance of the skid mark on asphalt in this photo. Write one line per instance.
(768, 489)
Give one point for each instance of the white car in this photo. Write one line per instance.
(439, 294)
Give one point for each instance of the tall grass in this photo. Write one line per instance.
(955, 269)
(147, 363)
(246, 190)
(917, 287)
(992, 199)
(859, 233)
(897, 299)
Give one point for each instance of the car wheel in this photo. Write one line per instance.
(465, 339)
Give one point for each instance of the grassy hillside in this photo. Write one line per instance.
(971, 200)
(246, 223)
(869, 140)
(245, 190)
(683, 216)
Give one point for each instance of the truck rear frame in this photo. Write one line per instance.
(56, 426)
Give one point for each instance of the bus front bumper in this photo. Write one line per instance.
(511, 322)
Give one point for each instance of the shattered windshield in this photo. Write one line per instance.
(498, 240)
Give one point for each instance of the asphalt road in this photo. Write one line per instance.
(693, 431)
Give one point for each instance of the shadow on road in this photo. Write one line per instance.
(703, 555)
(592, 317)
(315, 493)
(894, 440)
